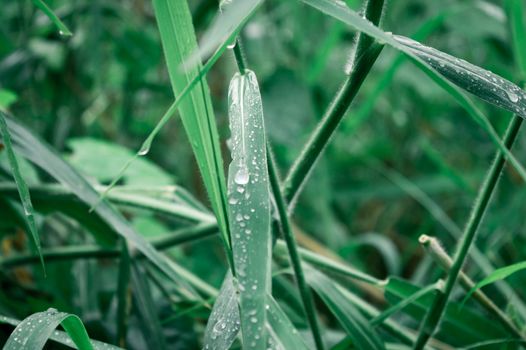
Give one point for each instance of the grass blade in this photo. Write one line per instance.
(62, 337)
(223, 324)
(23, 191)
(497, 275)
(407, 301)
(178, 38)
(33, 332)
(478, 81)
(351, 320)
(283, 334)
(249, 206)
(62, 29)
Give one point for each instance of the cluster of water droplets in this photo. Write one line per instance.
(486, 85)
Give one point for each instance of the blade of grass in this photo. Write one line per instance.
(34, 331)
(249, 206)
(178, 38)
(478, 81)
(407, 301)
(351, 320)
(62, 337)
(223, 324)
(23, 191)
(62, 29)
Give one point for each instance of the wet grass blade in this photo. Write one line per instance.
(179, 41)
(62, 29)
(249, 206)
(223, 324)
(33, 332)
(23, 191)
(62, 337)
(478, 81)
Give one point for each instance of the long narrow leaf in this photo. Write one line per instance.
(497, 275)
(33, 332)
(62, 337)
(62, 29)
(23, 191)
(249, 206)
(351, 320)
(223, 324)
(178, 39)
(480, 82)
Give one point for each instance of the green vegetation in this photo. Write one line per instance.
(142, 202)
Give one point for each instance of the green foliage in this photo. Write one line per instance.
(146, 242)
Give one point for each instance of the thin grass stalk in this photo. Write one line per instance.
(292, 247)
(436, 311)
(363, 59)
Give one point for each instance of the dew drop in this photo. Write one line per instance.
(241, 177)
(512, 96)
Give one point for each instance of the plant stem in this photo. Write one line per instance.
(292, 246)
(123, 294)
(363, 59)
(436, 311)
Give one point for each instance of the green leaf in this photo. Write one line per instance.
(45, 157)
(33, 332)
(178, 39)
(342, 308)
(223, 324)
(62, 29)
(497, 275)
(23, 191)
(249, 206)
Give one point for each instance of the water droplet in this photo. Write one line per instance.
(241, 177)
(512, 96)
